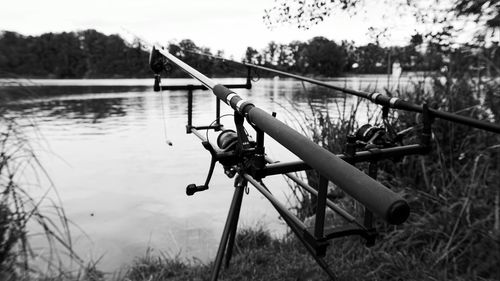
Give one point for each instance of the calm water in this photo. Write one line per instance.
(104, 147)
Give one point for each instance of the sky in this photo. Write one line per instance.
(229, 25)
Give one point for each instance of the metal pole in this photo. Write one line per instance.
(190, 111)
(231, 218)
(217, 112)
(232, 233)
(319, 225)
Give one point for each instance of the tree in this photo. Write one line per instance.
(372, 58)
(84, 54)
(269, 53)
(324, 57)
(297, 49)
(487, 11)
(306, 13)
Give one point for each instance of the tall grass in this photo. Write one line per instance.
(453, 231)
(22, 215)
(453, 191)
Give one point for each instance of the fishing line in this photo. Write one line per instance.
(217, 119)
(164, 119)
(163, 115)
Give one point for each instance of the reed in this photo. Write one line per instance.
(24, 216)
(453, 231)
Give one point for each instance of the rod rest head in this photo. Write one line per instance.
(156, 61)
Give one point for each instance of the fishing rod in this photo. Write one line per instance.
(378, 98)
(369, 192)
(245, 158)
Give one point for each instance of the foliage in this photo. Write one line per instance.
(188, 51)
(84, 54)
(452, 190)
(306, 13)
(454, 229)
(440, 23)
(90, 54)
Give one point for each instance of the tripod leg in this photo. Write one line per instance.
(234, 226)
(232, 217)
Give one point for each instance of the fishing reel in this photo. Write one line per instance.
(370, 136)
(383, 136)
(234, 149)
(225, 153)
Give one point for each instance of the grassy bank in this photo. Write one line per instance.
(453, 232)
(257, 256)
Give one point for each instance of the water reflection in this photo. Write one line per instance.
(91, 110)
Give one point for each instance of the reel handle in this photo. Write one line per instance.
(193, 188)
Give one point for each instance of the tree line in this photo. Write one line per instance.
(84, 54)
(91, 54)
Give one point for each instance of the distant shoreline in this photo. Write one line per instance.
(44, 81)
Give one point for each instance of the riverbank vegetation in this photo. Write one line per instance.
(453, 232)
(26, 214)
(91, 54)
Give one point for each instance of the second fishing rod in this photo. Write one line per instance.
(378, 98)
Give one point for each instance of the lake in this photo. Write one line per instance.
(104, 145)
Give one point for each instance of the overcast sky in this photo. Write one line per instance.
(230, 25)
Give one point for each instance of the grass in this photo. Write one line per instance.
(257, 256)
(453, 232)
(23, 216)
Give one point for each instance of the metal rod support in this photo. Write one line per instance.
(190, 111)
(362, 156)
(231, 218)
(319, 224)
(297, 227)
(314, 192)
(275, 202)
(329, 203)
(375, 196)
(200, 87)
